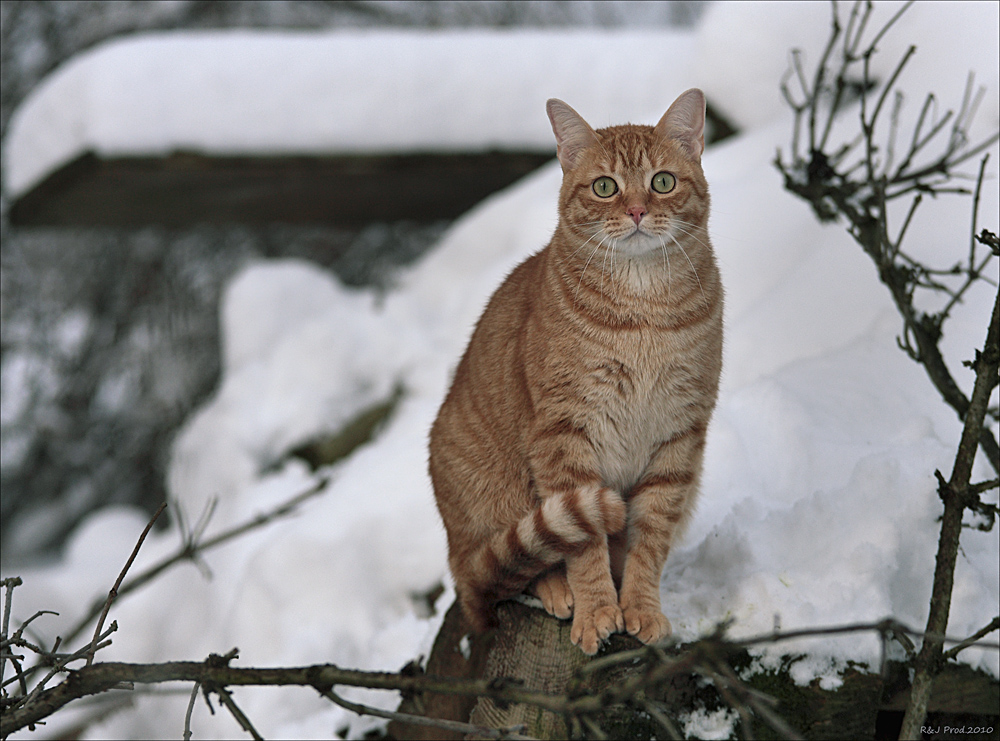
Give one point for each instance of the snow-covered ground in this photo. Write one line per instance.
(818, 504)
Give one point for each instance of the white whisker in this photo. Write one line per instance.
(576, 296)
(679, 225)
(666, 263)
(585, 243)
(614, 248)
(604, 265)
(693, 269)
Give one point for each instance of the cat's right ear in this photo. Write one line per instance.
(573, 134)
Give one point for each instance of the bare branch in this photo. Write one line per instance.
(889, 24)
(888, 86)
(191, 549)
(60, 663)
(860, 192)
(419, 720)
(956, 497)
(656, 667)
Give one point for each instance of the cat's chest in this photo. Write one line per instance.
(633, 399)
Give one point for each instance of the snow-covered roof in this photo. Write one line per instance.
(253, 92)
(321, 92)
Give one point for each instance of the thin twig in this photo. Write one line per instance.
(891, 22)
(118, 582)
(190, 550)
(975, 209)
(971, 640)
(889, 625)
(759, 702)
(818, 82)
(662, 719)
(61, 664)
(190, 710)
(889, 85)
(8, 584)
(594, 729)
(723, 688)
(906, 224)
(226, 698)
(984, 486)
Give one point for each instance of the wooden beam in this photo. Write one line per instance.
(345, 190)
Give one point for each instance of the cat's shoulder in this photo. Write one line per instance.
(524, 277)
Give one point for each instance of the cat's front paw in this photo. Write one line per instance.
(554, 592)
(590, 627)
(646, 622)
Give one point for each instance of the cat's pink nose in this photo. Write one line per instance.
(636, 212)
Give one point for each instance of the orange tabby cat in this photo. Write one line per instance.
(567, 453)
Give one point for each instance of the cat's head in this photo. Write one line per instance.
(634, 189)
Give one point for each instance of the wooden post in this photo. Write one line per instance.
(534, 647)
(529, 645)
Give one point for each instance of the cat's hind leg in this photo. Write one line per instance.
(552, 588)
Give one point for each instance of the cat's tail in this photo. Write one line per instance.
(506, 563)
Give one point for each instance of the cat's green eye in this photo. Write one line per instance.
(605, 187)
(664, 182)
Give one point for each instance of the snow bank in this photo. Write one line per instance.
(253, 92)
(818, 504)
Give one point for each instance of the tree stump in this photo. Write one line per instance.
(535, 648)
(529, 646)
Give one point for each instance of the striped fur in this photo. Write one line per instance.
(566, 455)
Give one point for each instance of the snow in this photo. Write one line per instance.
(765, 32)
(710, 725)
(818, 502)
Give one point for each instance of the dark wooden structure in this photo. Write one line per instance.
(343, 190)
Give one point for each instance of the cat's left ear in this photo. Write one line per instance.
(684, 121)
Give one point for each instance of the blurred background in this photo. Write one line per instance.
(109, 329)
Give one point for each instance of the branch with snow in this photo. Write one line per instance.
(841, 182)
(192, 547)
(650, 669)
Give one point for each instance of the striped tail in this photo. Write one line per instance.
(505, 564)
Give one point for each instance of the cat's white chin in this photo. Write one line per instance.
(639, 244)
